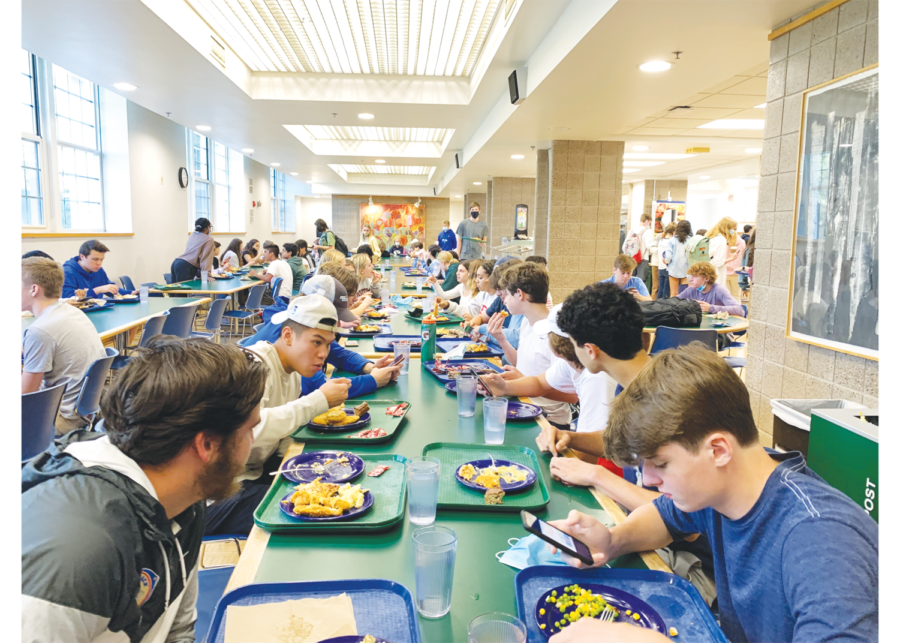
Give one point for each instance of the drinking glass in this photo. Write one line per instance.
(422, 475)
(494, 411)
(393, 279)
(466, 394)
(419, 281)
(496, 627)
(204, 276)
(429, 301)
(145, 294)
(403, 348)
(434, 549)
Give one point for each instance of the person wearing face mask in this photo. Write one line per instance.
(447, 239)
(468, 230)
(722, 237)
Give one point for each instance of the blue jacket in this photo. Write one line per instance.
(447, 240)
(77, 278)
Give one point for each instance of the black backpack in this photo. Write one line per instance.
(674, 312)
(340, 246)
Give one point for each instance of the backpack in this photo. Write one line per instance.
(340, 246)
(697, 249)
(673, 312)
(632, 247)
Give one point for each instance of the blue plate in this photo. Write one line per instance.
(521, 410)
(650, 618)
(385, 330)
(385, 344)
(288, 510)
(107, 306)
(479, 391)
(132, 300)
(443, 377)
(325, 428)
(508, 487)
(446, 345)
(352, 639)
(335, 473)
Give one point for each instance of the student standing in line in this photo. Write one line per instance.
(735, 264)
(232, 257)
(85, 272)
(198, 254)
(112, 522)
(446, 239)
(722, 237)
(623, 267)
(296, 264)
(250, 255)
(276, 268)
(780, 535)
(60, 345)
(678, 265)
(665, 257)
(644, 234)
(472, 228)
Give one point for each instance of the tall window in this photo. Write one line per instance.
(32, 193)
(77, 133)
(222, 186)
(200, 163)
(279, 211)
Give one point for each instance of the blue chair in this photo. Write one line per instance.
(213, 321)
(276, 286)
(211, 583)
(152, 328)
(92, 387)
(39, 411)
(168, 277)
(667, 337)
(249, 310)
(127, 284)
(180, 320)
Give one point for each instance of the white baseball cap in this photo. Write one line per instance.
(310, 311)
(332, 290)
(549, 325)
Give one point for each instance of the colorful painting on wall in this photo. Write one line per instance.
(390, 223)
(666, 212)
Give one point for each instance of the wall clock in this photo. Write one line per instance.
(183, 177)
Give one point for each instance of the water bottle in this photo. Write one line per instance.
(429, 333)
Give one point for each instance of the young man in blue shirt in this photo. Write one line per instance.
(623, 267)
(447, 238)
(85, 272)
(795, 559)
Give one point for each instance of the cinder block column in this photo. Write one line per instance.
(537, 223)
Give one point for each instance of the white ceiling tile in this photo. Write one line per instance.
(750, 87)
(725, 84)
(727, 100)
(703, 113)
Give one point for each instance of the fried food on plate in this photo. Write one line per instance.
(319, 500)
(336, 417)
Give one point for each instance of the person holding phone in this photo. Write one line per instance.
(623, 269)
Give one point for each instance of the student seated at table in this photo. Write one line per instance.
(112, 522)
(298, 267)
(331, 256)
(304, 253)
(623, 267)
(397, 249)
(85, 272)
(449, 266)
(795, 559)
(365, 272)
(60, 344)
(277, 268)
(36, 253)
(366, 249)
(250, 255)
(232, 256)
(541, 261)
(356, 303)
(463, 292)
(511, 323)
(217, 248)
(712, 297)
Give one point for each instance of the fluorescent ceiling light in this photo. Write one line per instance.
(366, 117)
(517, 157)
(476, 182)
(293, 174)
(434, 38)
(753, 150)
(640, 148)
(703, 178)
(642, 163)
(384, 174)
(378, 142)
(763, 106)
(655, 156)
(203, 128)
(125, 87)
(629, 170)
(458, 196)
(656, 65)
(414, 170)
(247, 150)
(379, 160)
(275, 164)
(735, 123)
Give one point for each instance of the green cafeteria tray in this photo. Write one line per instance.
(390, 501)
(453, 495)
(451, 319)
(380, 420)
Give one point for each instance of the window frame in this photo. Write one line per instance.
(195, 180)
(278, 201)
(37, 137)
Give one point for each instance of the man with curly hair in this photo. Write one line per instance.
(712, 297)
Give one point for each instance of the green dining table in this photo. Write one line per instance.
(481, 583)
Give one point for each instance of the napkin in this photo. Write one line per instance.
(307, 620)
(459, 352)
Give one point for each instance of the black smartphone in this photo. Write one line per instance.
(559, 539)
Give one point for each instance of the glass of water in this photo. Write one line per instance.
(204, 276)
(465, 394)
(496, 627)
(403, 348)
(419, 281)
(494, 411)
(434, 549)
(422, 475)
(145, 294)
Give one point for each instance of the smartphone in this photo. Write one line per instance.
(397, 360)
(557, 538)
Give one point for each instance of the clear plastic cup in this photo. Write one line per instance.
(403, 348)
(419, 281)
(494, 411)
(434, 549)
(422, 476)
(496, 627)
(204, 276)
(429, 301)
(466, 394)
(145, 294)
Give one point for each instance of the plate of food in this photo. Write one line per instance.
(415, 272)
(447, 370)
(411, 285)
(473, 349)
(319, 501)
(561, 606)
(327, 466)
(339, 419)
(516, 410)
(368, 638)
(90, 304)
(441, 318)
(454, 333)
(385, 343)
(124, 299)
(376, 314)
(482, 475)
(364, 330)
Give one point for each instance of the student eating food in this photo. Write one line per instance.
(623, 267)
(277, 269)
(85, 272)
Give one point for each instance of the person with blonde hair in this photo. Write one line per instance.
(712, 297)
(722, 237)
(329, 256)
(362, 264)
(449, 266)
(464, 291)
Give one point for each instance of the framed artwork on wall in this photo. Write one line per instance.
(834, 257)
(666, 212)
(390, 223)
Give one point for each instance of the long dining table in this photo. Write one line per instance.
(480, 584)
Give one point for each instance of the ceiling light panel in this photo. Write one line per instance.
(384, 174)
(378, 142)
(735, 123)
(403, 37)
(353, 133)
(413, 170)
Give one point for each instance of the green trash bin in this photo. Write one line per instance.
(790, 428)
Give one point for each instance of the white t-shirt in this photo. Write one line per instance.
(595, 393)
(481, 302)
(280, 268)
(718, 257)
(534, 357)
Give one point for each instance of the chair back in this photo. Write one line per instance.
(127, 284)
(276, 286)
(667, 337)
(214, 317)
(92, 387)
(254, 299)
(39, 411)
(152, 328)
(168, 277)
(180, 320)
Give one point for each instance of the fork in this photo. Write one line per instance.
(608, 614)
(493, 464)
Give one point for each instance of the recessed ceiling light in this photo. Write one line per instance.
(629, 170)
(203, 128)
(703, 178)
(763, 106)
(247, 150)
(846, 145)
(379, 160)
(753, 150)
(125, 87)
(476, 182)
(458, 196)
(559, 129)
(366, 116)
(517, 157)
(310, 182)
(735, 123)
(640, 148)
(293, 174)
(656, 65)
(275, 164)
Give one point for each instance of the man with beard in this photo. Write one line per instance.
(112, 522)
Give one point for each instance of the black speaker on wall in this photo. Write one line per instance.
(435, 191)
(517, 86)
(456, 156)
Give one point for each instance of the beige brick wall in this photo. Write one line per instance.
(834, 44)
(583, 223)
(663, 191)
(506, 194)
(537, 220)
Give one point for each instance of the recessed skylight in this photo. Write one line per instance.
(735, 123)
(656, 65)
(378, 142)
(125, 87)
(384, 174)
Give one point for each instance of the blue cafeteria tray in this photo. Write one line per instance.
(457, 362)
(383, 342)
(382, 608)
(447, 345)
(676, 600)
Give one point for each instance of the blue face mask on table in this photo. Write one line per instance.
(528, 552)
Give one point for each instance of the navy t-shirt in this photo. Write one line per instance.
(496, 307)
(801, 566)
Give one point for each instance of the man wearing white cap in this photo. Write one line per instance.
(308, 327)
